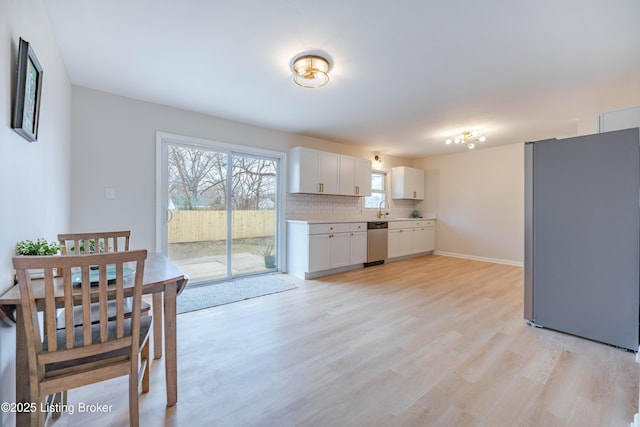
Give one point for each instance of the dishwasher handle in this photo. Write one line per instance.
(375, 225)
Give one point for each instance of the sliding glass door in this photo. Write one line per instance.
(222, 209)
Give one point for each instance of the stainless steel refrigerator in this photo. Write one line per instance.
(582, 236)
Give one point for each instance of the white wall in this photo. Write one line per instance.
(479, 199)
(113, 145)
(34, 176)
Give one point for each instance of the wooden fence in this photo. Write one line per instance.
(203, 225)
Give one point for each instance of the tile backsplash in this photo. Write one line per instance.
(310, 206)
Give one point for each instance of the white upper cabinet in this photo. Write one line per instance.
(407, 183)
(319, 172)
(328, 164)
(363, 177)
(355, 176)
(625, 118)
(313, 171)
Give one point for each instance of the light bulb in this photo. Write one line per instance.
(482, 139)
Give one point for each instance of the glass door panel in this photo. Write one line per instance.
(197, 222)
(253, 213)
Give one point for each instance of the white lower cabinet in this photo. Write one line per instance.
(314, 248)
(319, 252)
(411, 237)
(357, 247)
(339, 250)
(400, 243)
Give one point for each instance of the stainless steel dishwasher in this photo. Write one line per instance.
(376, 242)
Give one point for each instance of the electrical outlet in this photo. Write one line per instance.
(109, 193)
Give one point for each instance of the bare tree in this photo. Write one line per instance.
(253, 183)
(198, 173)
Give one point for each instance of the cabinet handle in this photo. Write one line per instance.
(414, 194)
(330, 228)
(321, 189)
(401, 231)
(357, 190)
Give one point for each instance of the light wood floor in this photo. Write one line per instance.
(431, 341)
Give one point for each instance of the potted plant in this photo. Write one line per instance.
(269, 257)
(38, 247)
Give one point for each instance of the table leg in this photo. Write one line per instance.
(22, 370)
(157, 325)
(170, 344)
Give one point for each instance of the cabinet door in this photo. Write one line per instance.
(339, 248)
(319, 252)
(363, 177)
(421, 240)
(328, 164)
(396, 243)
(347, 176)
(358, 248)
(307, 171)
(430, 239)
(406, 241)
(415, 186)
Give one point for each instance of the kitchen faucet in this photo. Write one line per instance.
(380, 214)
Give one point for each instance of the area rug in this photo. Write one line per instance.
(200, 297)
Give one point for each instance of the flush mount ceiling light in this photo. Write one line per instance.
(311, 71)
(467, 138)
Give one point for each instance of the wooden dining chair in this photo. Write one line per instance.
(104, 241)
(61, 359)
(97, 242)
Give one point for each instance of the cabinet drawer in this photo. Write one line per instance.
(395, 225)
(329, 228)
(429, 223)
(358, 226)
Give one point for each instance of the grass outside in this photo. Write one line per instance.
(205, 261)
(188, 250)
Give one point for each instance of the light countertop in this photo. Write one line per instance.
(352, 220)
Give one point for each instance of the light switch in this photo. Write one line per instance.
(109, 193)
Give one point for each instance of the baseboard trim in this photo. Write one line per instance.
(483, 259)
(316, 274)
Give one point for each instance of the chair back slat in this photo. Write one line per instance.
(50, 312)
(102, 289)
(86, 304)
(67, 285)
(120, 303)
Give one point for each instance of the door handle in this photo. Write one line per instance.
(169, 216)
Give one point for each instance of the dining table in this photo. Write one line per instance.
(163, 281)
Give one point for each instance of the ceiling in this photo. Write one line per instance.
(405, 74)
